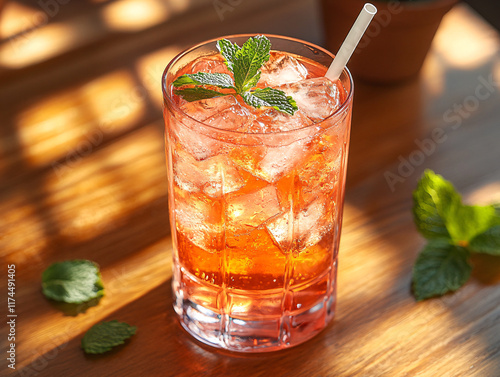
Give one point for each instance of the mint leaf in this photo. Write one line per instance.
(104, 336)
(197, 93)
(270, 97)
(465, 222)
(440, 268)
(248, 60)
(228, 50)
(454, 231)
(221, 80)
(245, 64)
(434, 199)
(440, 214)
(74, 281)
(487, 242)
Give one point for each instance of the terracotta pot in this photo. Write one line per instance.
(395, 44)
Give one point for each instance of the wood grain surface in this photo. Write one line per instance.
(82, 176)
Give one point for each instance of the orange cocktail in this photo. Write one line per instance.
(256, 200)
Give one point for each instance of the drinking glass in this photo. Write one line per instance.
(255, 217)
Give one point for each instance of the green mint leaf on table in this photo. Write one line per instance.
(440, 268)
(487, 242)
(433, 200)
(270, 97)
(245, 64)
(220, 80)
(440, 214)
(104, 336)
(197, 93)
(466, 222)
(454, 230)
(74, 281)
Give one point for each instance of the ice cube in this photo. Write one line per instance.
(187, 131)
(199, 219)
(272, 121)
(246, 212)
(318, 98)
(278, 161)
(281, 69)
(214, 176)
(235, 117)
(270, 163)
(210, 64)
(308, 227)
(205, 108)
(321, 172)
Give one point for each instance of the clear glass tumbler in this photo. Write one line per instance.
(255, 217)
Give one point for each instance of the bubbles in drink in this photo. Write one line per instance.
(248, 211)
(294, 233)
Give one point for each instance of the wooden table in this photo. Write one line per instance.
(82, 176)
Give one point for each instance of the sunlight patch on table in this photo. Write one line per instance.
(22, 230)
(100, 193)
(433, 71)
(402, 334)
(496, 72)
(19, 18)
(73, 123)
(465, 42)
(134, 15)
(150, 68)
(37, 46)
(116, 100)
(486, 194)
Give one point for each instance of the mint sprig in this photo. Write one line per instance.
(248, 61)
(73, 281)
(197, 93)
(454, 231)
(270, 97)
(245, 64)
(220, 80)
(104, 336)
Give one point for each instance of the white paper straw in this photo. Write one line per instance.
(351, 41)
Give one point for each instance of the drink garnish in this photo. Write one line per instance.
(74, 281)
(245, 64)
(455, 231)
(104, 336)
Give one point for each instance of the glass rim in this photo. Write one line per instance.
(186, 51)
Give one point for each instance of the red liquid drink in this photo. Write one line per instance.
(256, 200)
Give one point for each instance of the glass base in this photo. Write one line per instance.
(254, 333)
